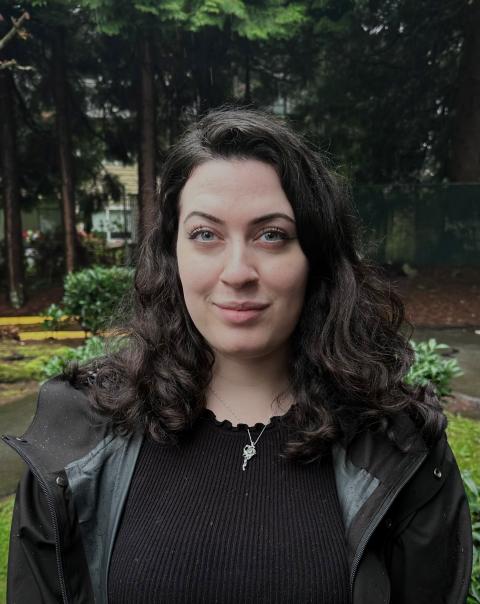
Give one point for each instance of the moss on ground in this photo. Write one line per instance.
(27, 368)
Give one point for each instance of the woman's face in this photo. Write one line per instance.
(237, 245)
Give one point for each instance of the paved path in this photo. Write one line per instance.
(14, 419)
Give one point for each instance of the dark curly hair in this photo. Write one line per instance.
(348, 357)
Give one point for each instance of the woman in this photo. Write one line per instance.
(253, 440)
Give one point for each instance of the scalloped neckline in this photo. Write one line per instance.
(227, 424)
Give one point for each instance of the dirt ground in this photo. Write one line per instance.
(442, 297)
(36, 302)
(435, 297)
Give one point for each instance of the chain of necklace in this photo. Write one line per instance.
(249, 449)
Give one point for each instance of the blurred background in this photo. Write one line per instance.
(93, 92)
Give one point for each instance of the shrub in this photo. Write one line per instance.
(429, 366)
(98, 252)
(93, 348)
(91, 296)
(54, 315)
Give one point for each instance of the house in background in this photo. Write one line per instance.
(44, 217)
(117, 219)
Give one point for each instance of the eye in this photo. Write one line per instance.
(201, 231)
(274, 234)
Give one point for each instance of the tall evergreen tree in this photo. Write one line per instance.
(465, 157)
(9, 168)
(207, 28)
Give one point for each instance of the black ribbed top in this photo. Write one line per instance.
(196, 528)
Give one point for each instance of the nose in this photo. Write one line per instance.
(239, 266)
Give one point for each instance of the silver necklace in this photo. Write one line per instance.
(249, 449)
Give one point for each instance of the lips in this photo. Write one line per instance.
(242, 305)
(240, 313)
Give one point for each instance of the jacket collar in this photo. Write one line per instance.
(370, 473)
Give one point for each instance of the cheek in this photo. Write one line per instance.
(196, 275)
(291, 277)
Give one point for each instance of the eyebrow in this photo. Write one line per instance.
(257, 220)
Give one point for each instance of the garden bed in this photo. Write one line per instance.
(21, 365)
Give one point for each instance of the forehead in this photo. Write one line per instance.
(248, 185)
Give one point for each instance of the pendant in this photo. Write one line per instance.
(248, 453)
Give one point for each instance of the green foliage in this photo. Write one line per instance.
(271, 20)
(54, 315)
(429, 366)
(261, 22)
(357, 91)
(464, 438)
(280, 23)
(99, 253)
(6, 509)
(27, 361)
(94, 347)
(473, 492)
(92, 295)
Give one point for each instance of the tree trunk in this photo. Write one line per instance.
(64, 140)
(465, 162)
(12, 215)
(248, 92)
(147, 139)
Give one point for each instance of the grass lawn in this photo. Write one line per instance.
(6, 507)
(463, 435)
(464, 438)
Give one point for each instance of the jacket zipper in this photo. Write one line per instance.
(376, 521)
(51, 507)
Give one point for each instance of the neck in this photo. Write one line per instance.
(249, 387)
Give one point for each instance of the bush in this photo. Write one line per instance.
(54, 315)
(93, 348)
(430, 367)
(91, 296)
(98, 252)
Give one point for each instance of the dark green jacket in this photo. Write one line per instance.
(406, 516)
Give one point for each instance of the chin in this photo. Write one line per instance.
(243, 350)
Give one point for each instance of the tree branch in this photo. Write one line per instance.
(16, 29)
(13, 63)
